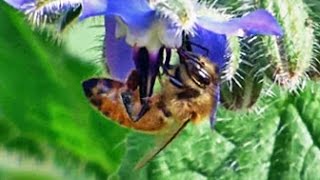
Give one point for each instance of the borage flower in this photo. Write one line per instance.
(162, 23)
(139, 31)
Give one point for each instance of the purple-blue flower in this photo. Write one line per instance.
(138, 32)
(158, 23)
(162, 23)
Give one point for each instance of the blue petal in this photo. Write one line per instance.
(18, 3)
(93, 8)
(216, 44)
(118, 54)
(136, 14)
(257, 22)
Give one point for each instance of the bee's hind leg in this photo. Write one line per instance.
(127, 99)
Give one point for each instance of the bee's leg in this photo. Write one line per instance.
(187, 45)
(174, 79)
(166, 66)
(127, 102)
(176, 82)
(198, 46)
(145, 108)
(127, 96)
(127, 99)
(147, 67)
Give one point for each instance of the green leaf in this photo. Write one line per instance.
(43, 111)
(278, 139)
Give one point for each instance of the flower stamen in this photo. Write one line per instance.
(180, 13)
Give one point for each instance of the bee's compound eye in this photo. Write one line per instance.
(203, 77)
(198, 74)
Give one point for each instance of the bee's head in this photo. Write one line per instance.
(199, 69)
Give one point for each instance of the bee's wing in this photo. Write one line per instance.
(162, 142)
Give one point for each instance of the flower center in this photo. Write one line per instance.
(181, 13)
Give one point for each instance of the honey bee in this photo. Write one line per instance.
(188, 93)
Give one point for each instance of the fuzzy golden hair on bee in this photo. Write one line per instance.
(187, 95)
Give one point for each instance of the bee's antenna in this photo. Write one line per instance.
(187, 44)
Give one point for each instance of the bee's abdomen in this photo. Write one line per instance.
(152, 121)
(104, 94)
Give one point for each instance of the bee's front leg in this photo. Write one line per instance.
(174, 79)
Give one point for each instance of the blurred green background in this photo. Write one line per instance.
(48, 130)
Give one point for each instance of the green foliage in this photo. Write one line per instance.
(48, 130)
(43, 112)
(279, 139)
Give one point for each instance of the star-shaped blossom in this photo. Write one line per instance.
(161, 23)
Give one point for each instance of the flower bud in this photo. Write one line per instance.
(290, 56)
(243, 90)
